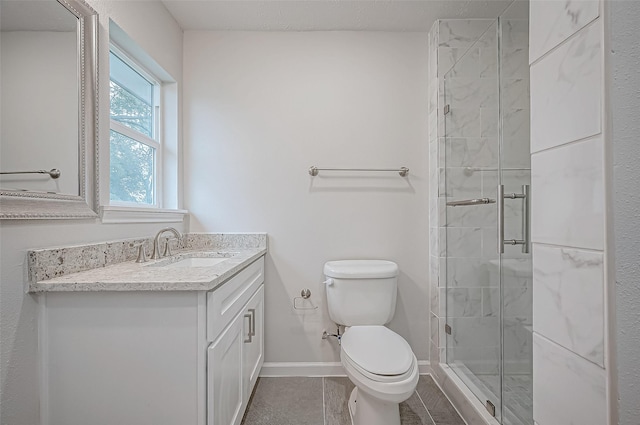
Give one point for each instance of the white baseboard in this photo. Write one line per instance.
(281, 369)
(278, 369)
(424, 367)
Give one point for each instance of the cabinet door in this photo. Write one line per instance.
(254, 350)
(225, 388)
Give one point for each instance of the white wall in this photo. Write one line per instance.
(260, 109)
(625, 93)
(151, 26)
(570, 145)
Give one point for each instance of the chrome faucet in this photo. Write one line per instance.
(156, 248)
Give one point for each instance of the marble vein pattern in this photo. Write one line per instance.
(461, 32)
(515, 31)
(471, 92)
(568, 17)
(461, 242)
(462, 302)
(475, 332)
(568, 206)
(488, 46)
(455, 36)
(566, 92)
(467, 272)
(515, 93)
(516, 125)
(435, 240)
(466, 66)
(433, 327)
(514, 61)
(578, 393)
(465, 121)
(516, 302)
(462, 182)
(472, 152)
(569, 299)
(110, 265)
(517, 349)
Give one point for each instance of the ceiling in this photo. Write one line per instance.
(326, 15)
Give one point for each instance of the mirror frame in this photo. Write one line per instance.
(18, 204)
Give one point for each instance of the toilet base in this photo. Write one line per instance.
(365, 409)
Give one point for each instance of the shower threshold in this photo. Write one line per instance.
(518, 399)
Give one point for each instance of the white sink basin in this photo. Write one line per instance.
(193, 259)
(196, 262)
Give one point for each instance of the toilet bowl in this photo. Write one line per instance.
(384, 370)
(361, 294)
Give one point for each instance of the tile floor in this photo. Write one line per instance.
(323, 401)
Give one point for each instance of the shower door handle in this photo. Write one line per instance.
(500, 198)
(526, 215)
(526, 234)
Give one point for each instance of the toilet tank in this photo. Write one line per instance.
(361, 292)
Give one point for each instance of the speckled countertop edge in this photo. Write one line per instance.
(132, 276)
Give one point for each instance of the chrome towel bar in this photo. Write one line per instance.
(466, 202)
(403, 171)
(54, 173)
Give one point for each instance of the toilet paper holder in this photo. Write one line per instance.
(305, 294)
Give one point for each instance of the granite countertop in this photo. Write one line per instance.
(153, 276)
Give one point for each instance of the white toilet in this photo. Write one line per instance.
(361, 295)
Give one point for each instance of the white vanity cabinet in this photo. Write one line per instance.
(235, 356)
(225, 379)
(152, 357)
(234, 361)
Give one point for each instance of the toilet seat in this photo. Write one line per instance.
(348, 362)
(378, 353)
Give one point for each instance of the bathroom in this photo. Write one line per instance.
(257, 92)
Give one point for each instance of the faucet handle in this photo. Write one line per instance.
(142, 252)
(167, 246)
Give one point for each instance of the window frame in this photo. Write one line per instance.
(155, 142)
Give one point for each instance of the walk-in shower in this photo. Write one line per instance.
(487, 249)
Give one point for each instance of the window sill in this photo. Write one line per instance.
(118, 214)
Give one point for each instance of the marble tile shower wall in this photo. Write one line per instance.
(463, 240)
(568, 145)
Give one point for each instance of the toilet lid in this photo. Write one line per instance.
(378, 350)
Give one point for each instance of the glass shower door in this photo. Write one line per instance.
(515, 178)
(472, 162)
(487, 180)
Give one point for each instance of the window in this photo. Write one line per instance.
(135, 148)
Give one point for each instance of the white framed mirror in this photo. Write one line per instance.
(48, 136)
